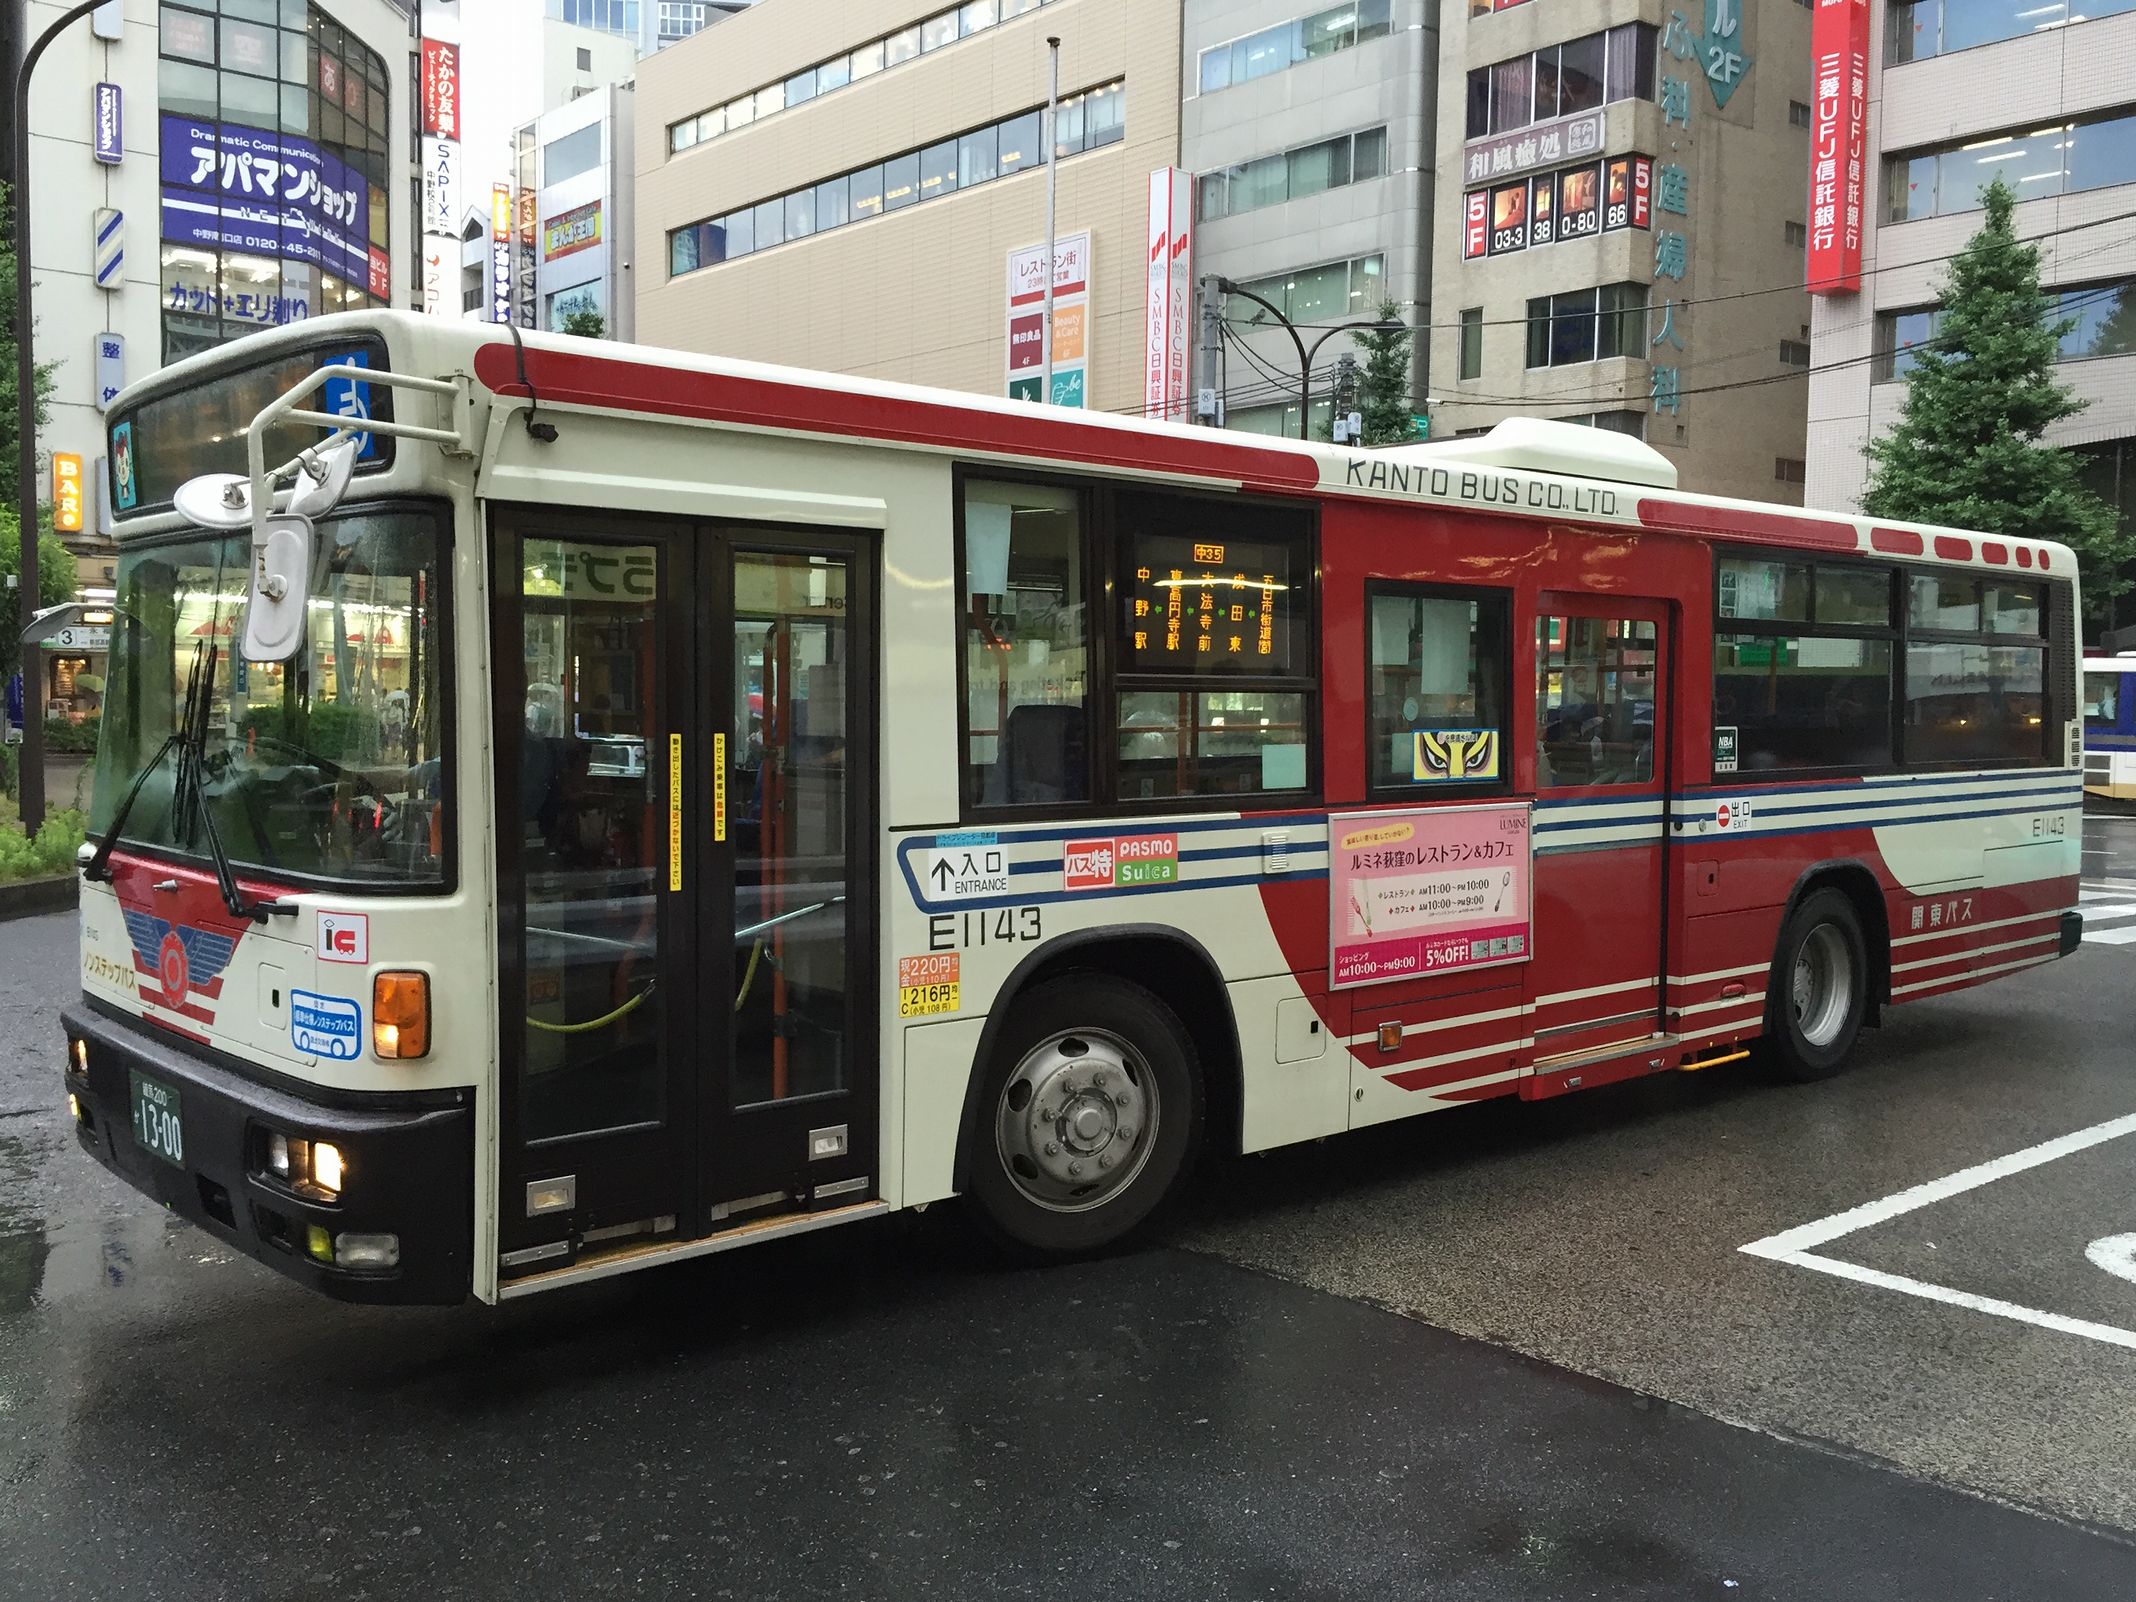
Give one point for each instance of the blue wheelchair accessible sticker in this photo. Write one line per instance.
(325, 1026)
(350, 398)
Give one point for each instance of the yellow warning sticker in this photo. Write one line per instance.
(928, 984)
(719, 787)
(674, 812)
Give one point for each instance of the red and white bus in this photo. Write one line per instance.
(589, 807)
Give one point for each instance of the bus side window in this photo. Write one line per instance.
(1436, 703)
(1026, 624)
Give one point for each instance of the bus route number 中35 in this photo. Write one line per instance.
(995, 926)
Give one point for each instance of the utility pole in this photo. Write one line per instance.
(1208, 394)
(30, 788)
(1344, 427)
(1305, 355)
(1053, 163)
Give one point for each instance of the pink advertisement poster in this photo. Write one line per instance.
(1427, 890)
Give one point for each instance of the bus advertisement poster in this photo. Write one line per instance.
(1428, 890)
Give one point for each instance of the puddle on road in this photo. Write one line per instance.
(42, 1263)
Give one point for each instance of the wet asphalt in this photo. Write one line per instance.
(1511, 1352)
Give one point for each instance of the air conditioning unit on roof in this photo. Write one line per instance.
(1536, 445)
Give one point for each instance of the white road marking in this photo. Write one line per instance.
(2116, 1254)
(1794, 1245)
(2125, 936)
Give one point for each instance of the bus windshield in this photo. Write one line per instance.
(329, 766)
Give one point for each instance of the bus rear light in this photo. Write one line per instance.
(400, 1014)
(81, 1057)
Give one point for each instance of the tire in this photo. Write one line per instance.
(1099, 1167)
(1818, 992)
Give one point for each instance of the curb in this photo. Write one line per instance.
(29, 897)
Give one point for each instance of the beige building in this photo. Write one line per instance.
(841, 187)
(1622, 188)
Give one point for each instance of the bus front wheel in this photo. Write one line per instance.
(1092, 1111)
(1819, 990)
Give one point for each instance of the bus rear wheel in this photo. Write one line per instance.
(1091, 1112)
(1818, 993)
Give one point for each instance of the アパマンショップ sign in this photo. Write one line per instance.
(1428, 890)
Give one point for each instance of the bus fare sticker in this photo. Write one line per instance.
(928, 984)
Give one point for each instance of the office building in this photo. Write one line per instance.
(1312, 137)
(2043, 94)
(649, 25)
(1621, 232)
(850, 189)
(198, 173)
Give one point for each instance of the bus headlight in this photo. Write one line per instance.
(312, 1168)
(400, 1014)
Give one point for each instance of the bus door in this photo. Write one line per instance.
(684, 919)
(1601, 765)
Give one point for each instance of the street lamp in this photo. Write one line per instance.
(30, 786)
(1380, 325)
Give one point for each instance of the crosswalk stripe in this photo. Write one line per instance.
(2125, 935)
(2093, 909)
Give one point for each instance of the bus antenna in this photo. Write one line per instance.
(545, 432)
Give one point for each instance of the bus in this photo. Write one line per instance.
(2110, 728)
(564, 808)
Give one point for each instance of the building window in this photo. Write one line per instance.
(2101, 319)
(1798, 114)
(609, 16)
(1471, 360)
(1308, 170)
(570, 154)
(1288, 44)
(585, 60)
(291, 88)
(894, 49)
(975, 157)
(1789, 470)
(1336, 291)
(1794, 353)
(1437, 708)
(2063, 159)
(1586, 325)
(1796, 234)
(1563, 80)
(1929, 28)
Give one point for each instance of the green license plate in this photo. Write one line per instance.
(155, 1120)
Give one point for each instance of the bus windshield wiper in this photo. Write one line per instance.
(189, 740)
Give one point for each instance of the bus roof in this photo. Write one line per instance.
(1524, 467)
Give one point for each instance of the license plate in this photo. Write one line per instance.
(155, 1120)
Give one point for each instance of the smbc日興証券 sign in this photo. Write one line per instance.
(1428, 890)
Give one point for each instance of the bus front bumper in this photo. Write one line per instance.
(406, 1172)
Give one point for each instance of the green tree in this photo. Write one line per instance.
(584, 321)
(55, 579)
(10, 436)
(1981, 393)
(1383, 381)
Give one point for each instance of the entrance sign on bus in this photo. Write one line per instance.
(1428, 890)
(962, 866)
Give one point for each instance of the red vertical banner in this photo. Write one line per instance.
(1839, 144)
(1476, 223)
(441, 89)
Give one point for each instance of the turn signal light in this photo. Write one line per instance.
(400, 1013)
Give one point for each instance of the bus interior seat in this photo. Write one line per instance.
(1045, 755)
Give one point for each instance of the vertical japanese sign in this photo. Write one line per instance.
(1839, 136)
(1166, 311)
(107, 117)
(66, 492)
(110, 368)
(500, 293)
(440, 225)
(1026, 317)
(1428, 890)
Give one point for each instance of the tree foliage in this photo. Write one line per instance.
(10, 436)
(55, 579)
(585, 322)
(1980, 395)
(1383, 390)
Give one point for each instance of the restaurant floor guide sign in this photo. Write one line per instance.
(1428, 890)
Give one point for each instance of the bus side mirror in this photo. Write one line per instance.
(280, 587)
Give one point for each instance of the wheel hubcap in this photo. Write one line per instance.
(1821, 987)
(1075, 1120)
